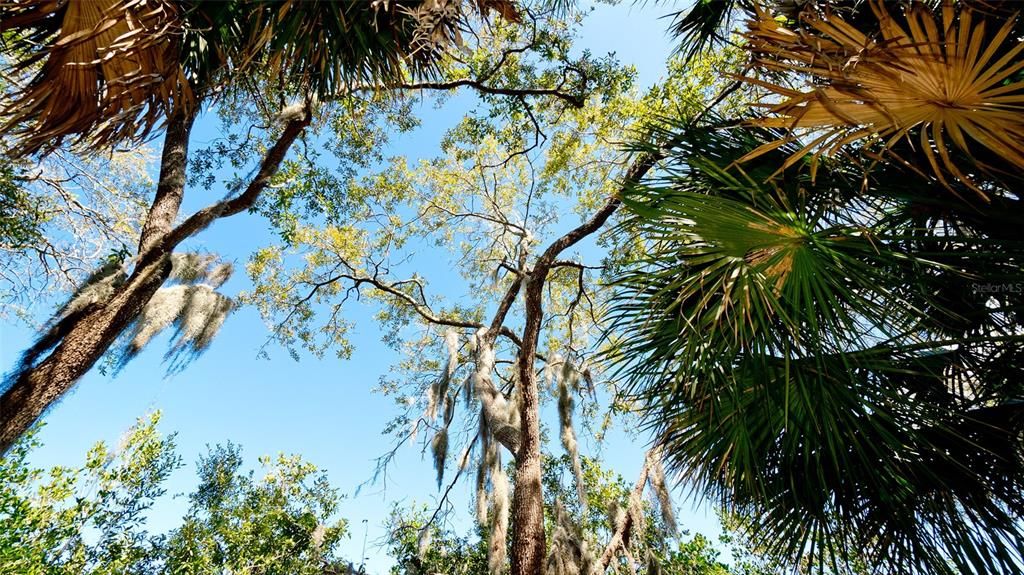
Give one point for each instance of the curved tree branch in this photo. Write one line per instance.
(620, 538)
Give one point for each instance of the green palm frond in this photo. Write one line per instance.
(704, 25)
(823, 356)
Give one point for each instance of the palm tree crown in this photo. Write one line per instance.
(825, 328)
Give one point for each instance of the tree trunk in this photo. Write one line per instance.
(85, 339)
(84, 343)
(528, 544)
(170, 188)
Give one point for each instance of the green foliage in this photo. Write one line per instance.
(89, 519)
(514, 171)
(704, 25)
(281, 524)
(836, 357)
(343, 42)
(440, 551)
(20, 220)
(92, 519)
(447, 551)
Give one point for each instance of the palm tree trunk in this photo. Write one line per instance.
(171, 187)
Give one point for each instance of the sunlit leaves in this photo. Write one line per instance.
(86, 519)
(238, 521)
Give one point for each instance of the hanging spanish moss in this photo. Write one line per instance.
(635, 509)
(317, 536)
(653, 565)
(481, 495)
(467, 390)
(451, 341)
(96, 289)
(569, 374)
(196, 310)
(552, 369)
(501, 415)
(568, 435)
(570, 552)
(439, 448)
(587, 373)
(433, 396)
(438, 391)
(499, 517)
(449, 410)
(488, 453)
(423, 542)
(189, 267)
(661, 493)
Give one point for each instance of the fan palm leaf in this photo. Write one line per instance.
(811, 354)
(107, 65)
(704, 24)
(946, 81)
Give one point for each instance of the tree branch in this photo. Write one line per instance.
(620, 539)
(573, 100)
(204, 217)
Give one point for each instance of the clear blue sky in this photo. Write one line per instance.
(322, 409)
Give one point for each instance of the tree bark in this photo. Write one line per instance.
(528, 543)
(170, 188)
(85, 342)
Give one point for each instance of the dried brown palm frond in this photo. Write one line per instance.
(940, 78)
(505, 8)
(103, 72)
(437, 22)
(106, 68)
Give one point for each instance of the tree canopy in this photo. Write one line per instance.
(93, 518)
(794, 260)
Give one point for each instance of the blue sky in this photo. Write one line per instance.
(322, 409)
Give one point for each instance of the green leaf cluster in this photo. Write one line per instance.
(92, 519)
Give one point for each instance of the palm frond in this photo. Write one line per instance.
(103, 72)
(816, 354)
(106, 67)
(945, 81)
(703, 25)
